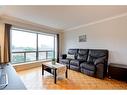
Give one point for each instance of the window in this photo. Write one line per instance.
(31, 46)
(45, 46)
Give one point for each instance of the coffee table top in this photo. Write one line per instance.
(55, 66)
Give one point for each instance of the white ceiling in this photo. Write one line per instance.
(62, 17)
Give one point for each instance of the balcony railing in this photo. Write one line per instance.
(26, 56)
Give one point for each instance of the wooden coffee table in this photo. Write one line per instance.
(56, 69)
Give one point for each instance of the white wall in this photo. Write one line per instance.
(111, 35)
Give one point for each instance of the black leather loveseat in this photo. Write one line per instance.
(92, 62)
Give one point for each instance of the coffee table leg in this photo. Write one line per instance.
(55, 76)
(42, 69)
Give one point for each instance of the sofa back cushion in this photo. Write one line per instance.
(97, 53)
(82, 54)
(73, 53)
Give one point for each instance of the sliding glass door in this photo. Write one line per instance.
(31, 46)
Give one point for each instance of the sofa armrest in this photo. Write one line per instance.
(100, 70)
(63, 56)
(99, 61)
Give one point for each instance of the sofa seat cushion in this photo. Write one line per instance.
(64, 61)
(76, 62)
(88, 66)
(88, 72)
(73, 67)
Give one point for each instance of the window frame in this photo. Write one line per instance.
(37, 48)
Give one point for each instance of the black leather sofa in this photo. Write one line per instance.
(81, 57)
(92, 62)
(65, 60)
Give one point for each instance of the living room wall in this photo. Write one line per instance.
(108, 34)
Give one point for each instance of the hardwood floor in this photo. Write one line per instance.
(34, 80)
